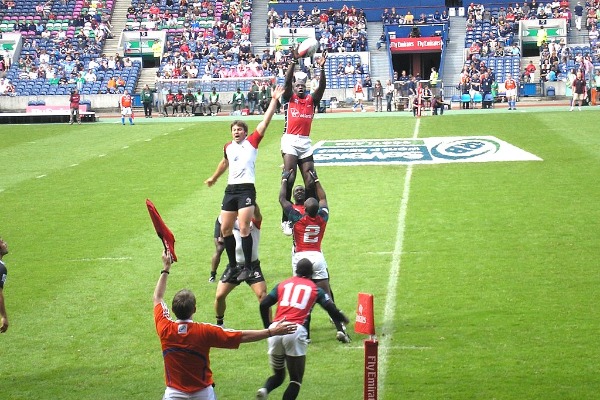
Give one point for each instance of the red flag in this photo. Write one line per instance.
(162, 230)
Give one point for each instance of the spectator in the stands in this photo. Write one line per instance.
(90, 76)
(111, 85)
(349, 69)
(382, 41)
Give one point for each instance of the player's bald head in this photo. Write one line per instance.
(311, 206)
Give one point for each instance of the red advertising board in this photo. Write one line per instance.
(416, 45)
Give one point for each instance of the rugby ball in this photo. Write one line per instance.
(308, 47)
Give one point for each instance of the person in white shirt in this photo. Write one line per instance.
(240, 195)
(90, 76)
(93, 65)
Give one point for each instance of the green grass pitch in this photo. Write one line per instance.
(485, 275)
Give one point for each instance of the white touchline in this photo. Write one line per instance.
(389, 310)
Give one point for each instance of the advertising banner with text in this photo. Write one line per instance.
(416, 45)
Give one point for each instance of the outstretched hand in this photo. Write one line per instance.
(283, 328)
(322, 59)
(277, 92)
(285, 175)
(313, 175)
(294, 52)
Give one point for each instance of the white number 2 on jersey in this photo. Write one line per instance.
(311, 233)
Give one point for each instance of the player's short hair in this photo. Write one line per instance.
(184, 304)
(311, 206)
(240, 123)
(304, 268)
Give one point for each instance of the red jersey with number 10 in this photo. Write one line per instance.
(296, 296)
(299, 114)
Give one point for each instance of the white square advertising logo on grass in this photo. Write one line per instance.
(434, 150)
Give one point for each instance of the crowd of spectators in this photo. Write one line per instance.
(394, 17)
(66, 50)
(343, 30)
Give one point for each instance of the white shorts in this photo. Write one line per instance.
(208, 393)
(126, 111)
(511, 92)
(294, 344)
(297, 145)
(318, 260)
(359, 96)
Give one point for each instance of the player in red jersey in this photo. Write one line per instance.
(126, 107)
(179, 104)
(299, 111)
(239, 156)
(295, 298)
(308, 227)
(186, 344)
(74, 107)
(169, 102)
(299, 197)
(511, 92)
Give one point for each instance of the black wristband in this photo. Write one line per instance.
(164, 271)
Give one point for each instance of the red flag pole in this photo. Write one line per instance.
(365, 324)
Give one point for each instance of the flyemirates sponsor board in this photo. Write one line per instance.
(418, 151)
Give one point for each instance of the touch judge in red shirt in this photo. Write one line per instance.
(186, 344)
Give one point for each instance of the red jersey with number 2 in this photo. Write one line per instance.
(308, 231)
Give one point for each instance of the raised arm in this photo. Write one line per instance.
(221, 168)
(318, 94)
(285, 203)
(289, 75)
(161, 285)
(318, 188)
(262, 126)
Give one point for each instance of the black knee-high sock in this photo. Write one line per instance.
(291, 393)
(275, 380)
(247, 249)
(229, 242)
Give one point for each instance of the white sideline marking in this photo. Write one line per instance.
(41, 176)
(180, 129)
(102, 155)
(380, 253)
(390, 301)
(125, 147)
(102, 259)
(73, 165)
(148, 140)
